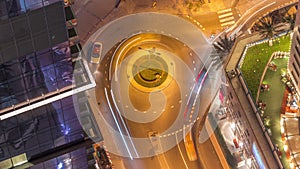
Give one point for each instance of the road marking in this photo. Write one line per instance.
(225, 15)
(227, 19)
(119, 128)
(224, 11)
(124, 124)
(180, 152)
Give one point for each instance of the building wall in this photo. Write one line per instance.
(40, 73)
(294, 61)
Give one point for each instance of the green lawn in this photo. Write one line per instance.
(273, 100)
(257, 58)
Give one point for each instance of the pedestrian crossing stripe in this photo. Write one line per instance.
(227, 19)
(224, 11)
(225, 15)
(228, 23)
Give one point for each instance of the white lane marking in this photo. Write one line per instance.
(126, 129)
(180, 152)
(117, 124)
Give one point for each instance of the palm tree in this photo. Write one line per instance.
(290, 20)
(223, 47)
(267, 28)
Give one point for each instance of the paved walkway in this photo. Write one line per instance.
(245, 104)
(273, 100)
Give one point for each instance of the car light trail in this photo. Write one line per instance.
(180, 152)
(126, 129)
(106, 95)
(201, 76)
(118, 57)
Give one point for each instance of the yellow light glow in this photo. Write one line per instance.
(292, 165)
(285, 147)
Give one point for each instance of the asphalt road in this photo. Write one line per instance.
(256, 11)
(164, 120)
(113, 36)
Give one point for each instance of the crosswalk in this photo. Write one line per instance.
(226, 17)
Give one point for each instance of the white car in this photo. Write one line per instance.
(221, 113)
(153, 136)
(96, 52)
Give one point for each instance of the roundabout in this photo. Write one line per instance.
(149, 80)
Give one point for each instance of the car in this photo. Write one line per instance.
(153, 136)
(222, 113)
(96, 52)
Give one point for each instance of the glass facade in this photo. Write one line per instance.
(39, 130)
(37, 66)
(35, 75)
(75, 159)
(12, 8)
(34, 31)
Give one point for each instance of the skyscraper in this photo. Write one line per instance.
(294, 61)
(42, 78)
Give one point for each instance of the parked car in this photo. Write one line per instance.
(96, 52)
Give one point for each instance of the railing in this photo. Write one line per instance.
(253, 103)
(257, 113)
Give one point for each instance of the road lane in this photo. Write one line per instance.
(194, 58)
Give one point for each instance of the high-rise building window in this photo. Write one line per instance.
(296, 69)
(295, 78)
(296, 58)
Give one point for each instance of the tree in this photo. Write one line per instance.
(267, 28)
(223, 47)
(290, 20)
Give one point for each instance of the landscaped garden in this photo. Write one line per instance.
(252, 67)
(273, 101)
(256, 60)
